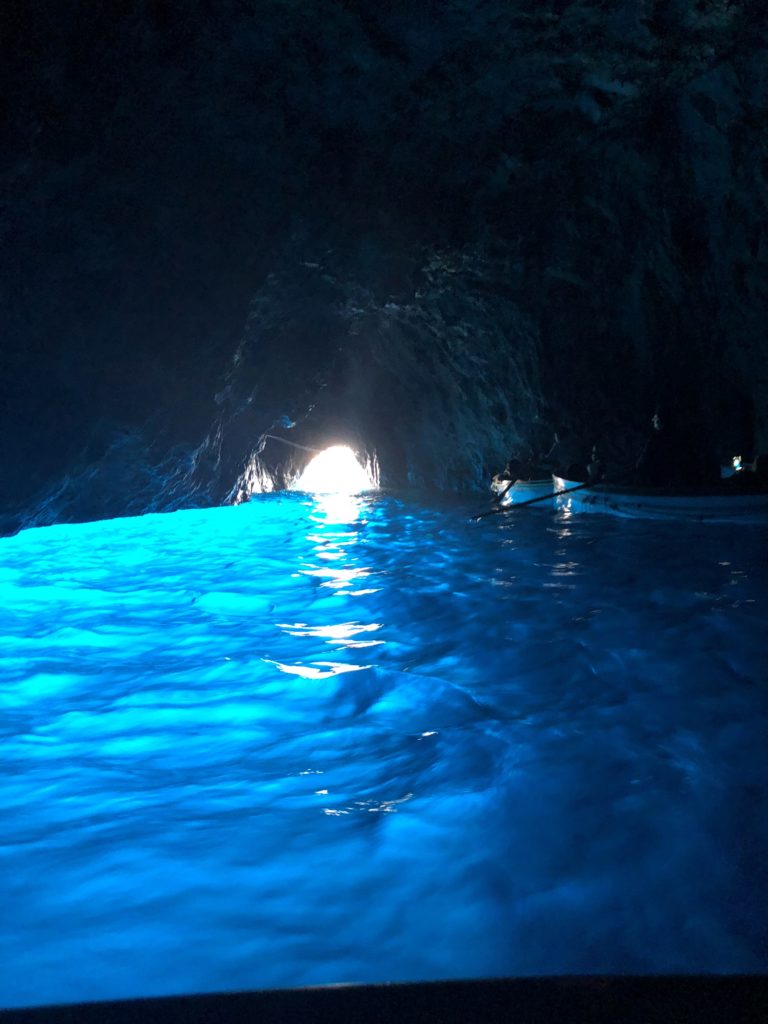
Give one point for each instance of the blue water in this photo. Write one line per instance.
(306, 740)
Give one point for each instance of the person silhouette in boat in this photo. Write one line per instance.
(595, 467)
(503, 481)
(518, 467)
(751, 477)
(566, 458)
(675, 455)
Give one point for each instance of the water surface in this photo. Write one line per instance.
(305, 741)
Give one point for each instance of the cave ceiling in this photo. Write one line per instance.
(435, 230)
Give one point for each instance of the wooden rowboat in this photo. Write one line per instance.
(715, 504)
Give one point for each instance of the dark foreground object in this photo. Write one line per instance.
(625, 1000)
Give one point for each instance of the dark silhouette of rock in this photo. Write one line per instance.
(420, 227)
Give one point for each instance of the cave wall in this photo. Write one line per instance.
(436, 229)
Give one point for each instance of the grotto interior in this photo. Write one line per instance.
(432, 232)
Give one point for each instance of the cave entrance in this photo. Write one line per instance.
(335, 471)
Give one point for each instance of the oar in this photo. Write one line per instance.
(531, 501)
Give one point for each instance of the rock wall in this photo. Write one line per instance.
(435, 229)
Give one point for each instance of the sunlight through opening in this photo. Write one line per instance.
(335, 471)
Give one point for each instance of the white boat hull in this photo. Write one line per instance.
(656, 504)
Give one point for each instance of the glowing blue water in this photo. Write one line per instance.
(293, 743)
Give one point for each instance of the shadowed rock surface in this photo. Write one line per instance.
(434, 230)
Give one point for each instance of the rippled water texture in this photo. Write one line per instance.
(299, 742)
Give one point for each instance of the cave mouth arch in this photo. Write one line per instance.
(336, 470)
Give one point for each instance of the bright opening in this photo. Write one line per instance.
(335, 471)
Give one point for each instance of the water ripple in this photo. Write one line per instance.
(300, 742)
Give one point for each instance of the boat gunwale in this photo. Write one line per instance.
(630, 492)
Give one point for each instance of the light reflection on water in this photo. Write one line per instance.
(360, 739)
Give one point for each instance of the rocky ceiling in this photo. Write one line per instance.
(433, 229)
